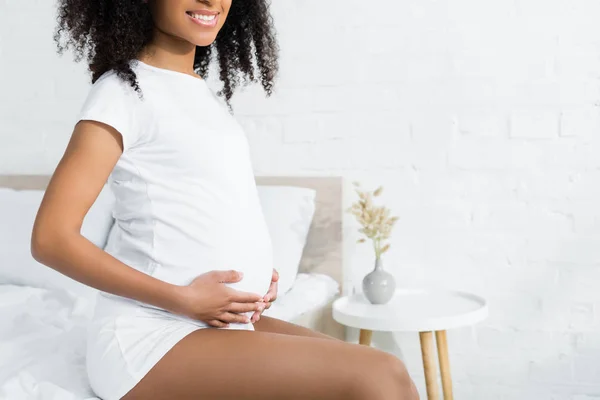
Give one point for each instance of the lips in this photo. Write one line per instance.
(204, 17)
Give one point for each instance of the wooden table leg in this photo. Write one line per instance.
(427, 351)
(442, 347)
(365, 337)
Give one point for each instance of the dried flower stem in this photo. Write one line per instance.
(376, 221)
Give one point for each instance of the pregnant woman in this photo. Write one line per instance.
(188, 267)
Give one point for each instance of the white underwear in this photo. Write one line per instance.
(125, 340)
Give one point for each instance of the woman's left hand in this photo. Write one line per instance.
(269, 298)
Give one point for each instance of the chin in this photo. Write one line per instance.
(203, 40)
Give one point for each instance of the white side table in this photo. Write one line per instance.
(416, 310)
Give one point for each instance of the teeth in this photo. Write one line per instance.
(203, 17)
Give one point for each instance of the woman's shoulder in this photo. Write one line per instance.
(114, 102)
(110, 83)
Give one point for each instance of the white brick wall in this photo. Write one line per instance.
(480, 118)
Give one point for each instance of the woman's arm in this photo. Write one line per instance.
(56, 241)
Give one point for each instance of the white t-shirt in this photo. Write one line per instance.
(186, 198)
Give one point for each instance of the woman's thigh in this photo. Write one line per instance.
(216, 364)
(274, 325)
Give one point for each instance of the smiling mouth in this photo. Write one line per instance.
(206, 18)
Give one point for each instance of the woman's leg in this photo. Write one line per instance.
(274, 325)
(216, 364)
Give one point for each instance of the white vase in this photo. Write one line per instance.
(378, 285)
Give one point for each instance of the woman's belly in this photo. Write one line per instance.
(253, 260)
(178, 256)
(176, 236)
(243, 246)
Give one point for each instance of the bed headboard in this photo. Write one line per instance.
(323, 250)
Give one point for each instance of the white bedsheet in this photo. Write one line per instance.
(42, 336)
(309, 291)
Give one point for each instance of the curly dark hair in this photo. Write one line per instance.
(111, 33)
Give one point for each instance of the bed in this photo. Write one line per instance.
(42, 331)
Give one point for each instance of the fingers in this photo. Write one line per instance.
(261, 307)
(275, 277)
(272, 293)
(264, 306)
(272, 296)
(246, 307)
(230, 276)
(244, 297)
(255, 317)
(232, 318)
(217, 324)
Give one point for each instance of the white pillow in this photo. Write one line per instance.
(17, 214)
(288, 212)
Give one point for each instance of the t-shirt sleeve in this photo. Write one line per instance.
(115, 103)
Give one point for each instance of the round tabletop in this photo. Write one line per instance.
(414, 310)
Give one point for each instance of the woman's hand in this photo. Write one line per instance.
(269, 298)
(208, 299)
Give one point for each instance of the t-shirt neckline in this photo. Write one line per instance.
(168, 71)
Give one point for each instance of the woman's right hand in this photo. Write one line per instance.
(210, 300)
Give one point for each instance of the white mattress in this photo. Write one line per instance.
(42, 336)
